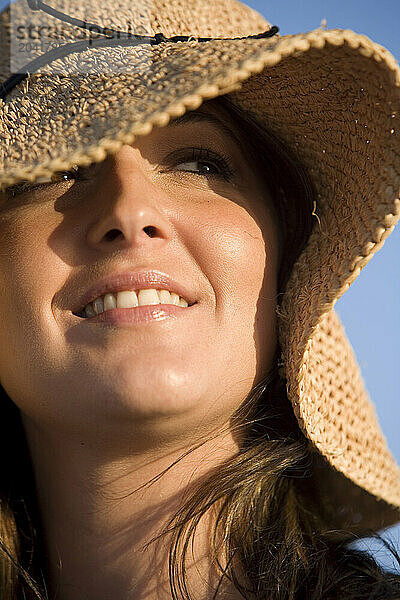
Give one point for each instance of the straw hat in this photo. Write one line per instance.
(333, 96)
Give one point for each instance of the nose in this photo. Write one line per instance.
(128, 205)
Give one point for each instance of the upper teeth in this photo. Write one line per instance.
(130, 298)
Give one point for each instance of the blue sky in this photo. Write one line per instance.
(370, 308)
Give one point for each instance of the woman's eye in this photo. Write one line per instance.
(76, 172)
(202, 161)
(64, 175)
(205, 167)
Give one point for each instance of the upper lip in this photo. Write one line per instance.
(134, 280)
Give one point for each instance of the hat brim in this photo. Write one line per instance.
(332, 97)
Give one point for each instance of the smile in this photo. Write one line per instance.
(131, 299)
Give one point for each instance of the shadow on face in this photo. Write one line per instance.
(189, 200)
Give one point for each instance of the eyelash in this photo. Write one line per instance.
(223, 162)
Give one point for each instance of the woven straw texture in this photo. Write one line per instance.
(334, 98)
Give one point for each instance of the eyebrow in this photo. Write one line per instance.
(201, 117)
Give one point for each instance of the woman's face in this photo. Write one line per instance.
(154, 205)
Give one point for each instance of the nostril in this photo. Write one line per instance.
(150, 230)
(112, 234)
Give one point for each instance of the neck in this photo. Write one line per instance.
(99, 513)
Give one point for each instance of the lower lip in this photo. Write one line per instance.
(139, 314)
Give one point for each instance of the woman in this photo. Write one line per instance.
(173, 239)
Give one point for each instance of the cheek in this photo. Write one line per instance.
(24, 270)
(239, 256)
(27, 273)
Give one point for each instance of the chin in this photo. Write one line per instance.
(148, 393)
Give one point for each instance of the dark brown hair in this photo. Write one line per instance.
(274, 547)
